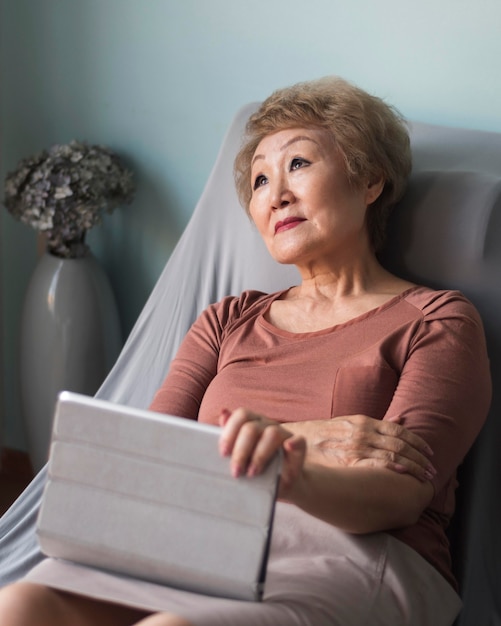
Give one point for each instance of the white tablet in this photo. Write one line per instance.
(149, 496)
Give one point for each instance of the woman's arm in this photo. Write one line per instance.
(360, 499)
(355, 499)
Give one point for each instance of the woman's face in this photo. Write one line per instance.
(302, 203)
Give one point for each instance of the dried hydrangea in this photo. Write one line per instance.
(64, 191)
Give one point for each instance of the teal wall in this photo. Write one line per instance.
(159, 81)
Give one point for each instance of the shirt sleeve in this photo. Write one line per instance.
(196, 362)
(444, 391)
(192, 369)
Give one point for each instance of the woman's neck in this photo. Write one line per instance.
(326, 299)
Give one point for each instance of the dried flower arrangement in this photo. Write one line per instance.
(64, 191)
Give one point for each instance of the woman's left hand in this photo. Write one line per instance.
(251, 440)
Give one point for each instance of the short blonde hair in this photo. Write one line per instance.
(371, 135)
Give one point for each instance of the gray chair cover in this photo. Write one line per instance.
(444, 233)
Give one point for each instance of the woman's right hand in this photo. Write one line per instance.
(251, 440)
(361, 440)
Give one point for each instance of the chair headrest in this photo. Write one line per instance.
(445, 231)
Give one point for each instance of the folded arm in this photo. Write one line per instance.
(358, 499)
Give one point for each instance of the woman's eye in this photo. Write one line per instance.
(260, 181)
(297, 163)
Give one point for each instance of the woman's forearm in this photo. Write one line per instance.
(360, 499)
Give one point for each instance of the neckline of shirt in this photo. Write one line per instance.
(325, 331)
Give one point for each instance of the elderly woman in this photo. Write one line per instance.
(359, 537)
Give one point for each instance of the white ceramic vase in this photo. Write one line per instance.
(70, 338)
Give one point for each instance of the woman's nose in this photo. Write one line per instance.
(282, 196)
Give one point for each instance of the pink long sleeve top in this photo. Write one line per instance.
(421, 356)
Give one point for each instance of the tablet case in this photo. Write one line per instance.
(149, 496)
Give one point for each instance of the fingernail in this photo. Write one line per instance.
(428, 475)
(223, 417)
(252, 471)
(431, 470)
(236, 471)
(223, 448)
(400, 468)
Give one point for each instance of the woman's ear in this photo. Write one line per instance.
(374, 190)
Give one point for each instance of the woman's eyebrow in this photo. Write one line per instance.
(286, 145)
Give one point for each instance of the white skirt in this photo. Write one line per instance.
(317, 575)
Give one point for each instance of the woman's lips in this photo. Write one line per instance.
(288, 223)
